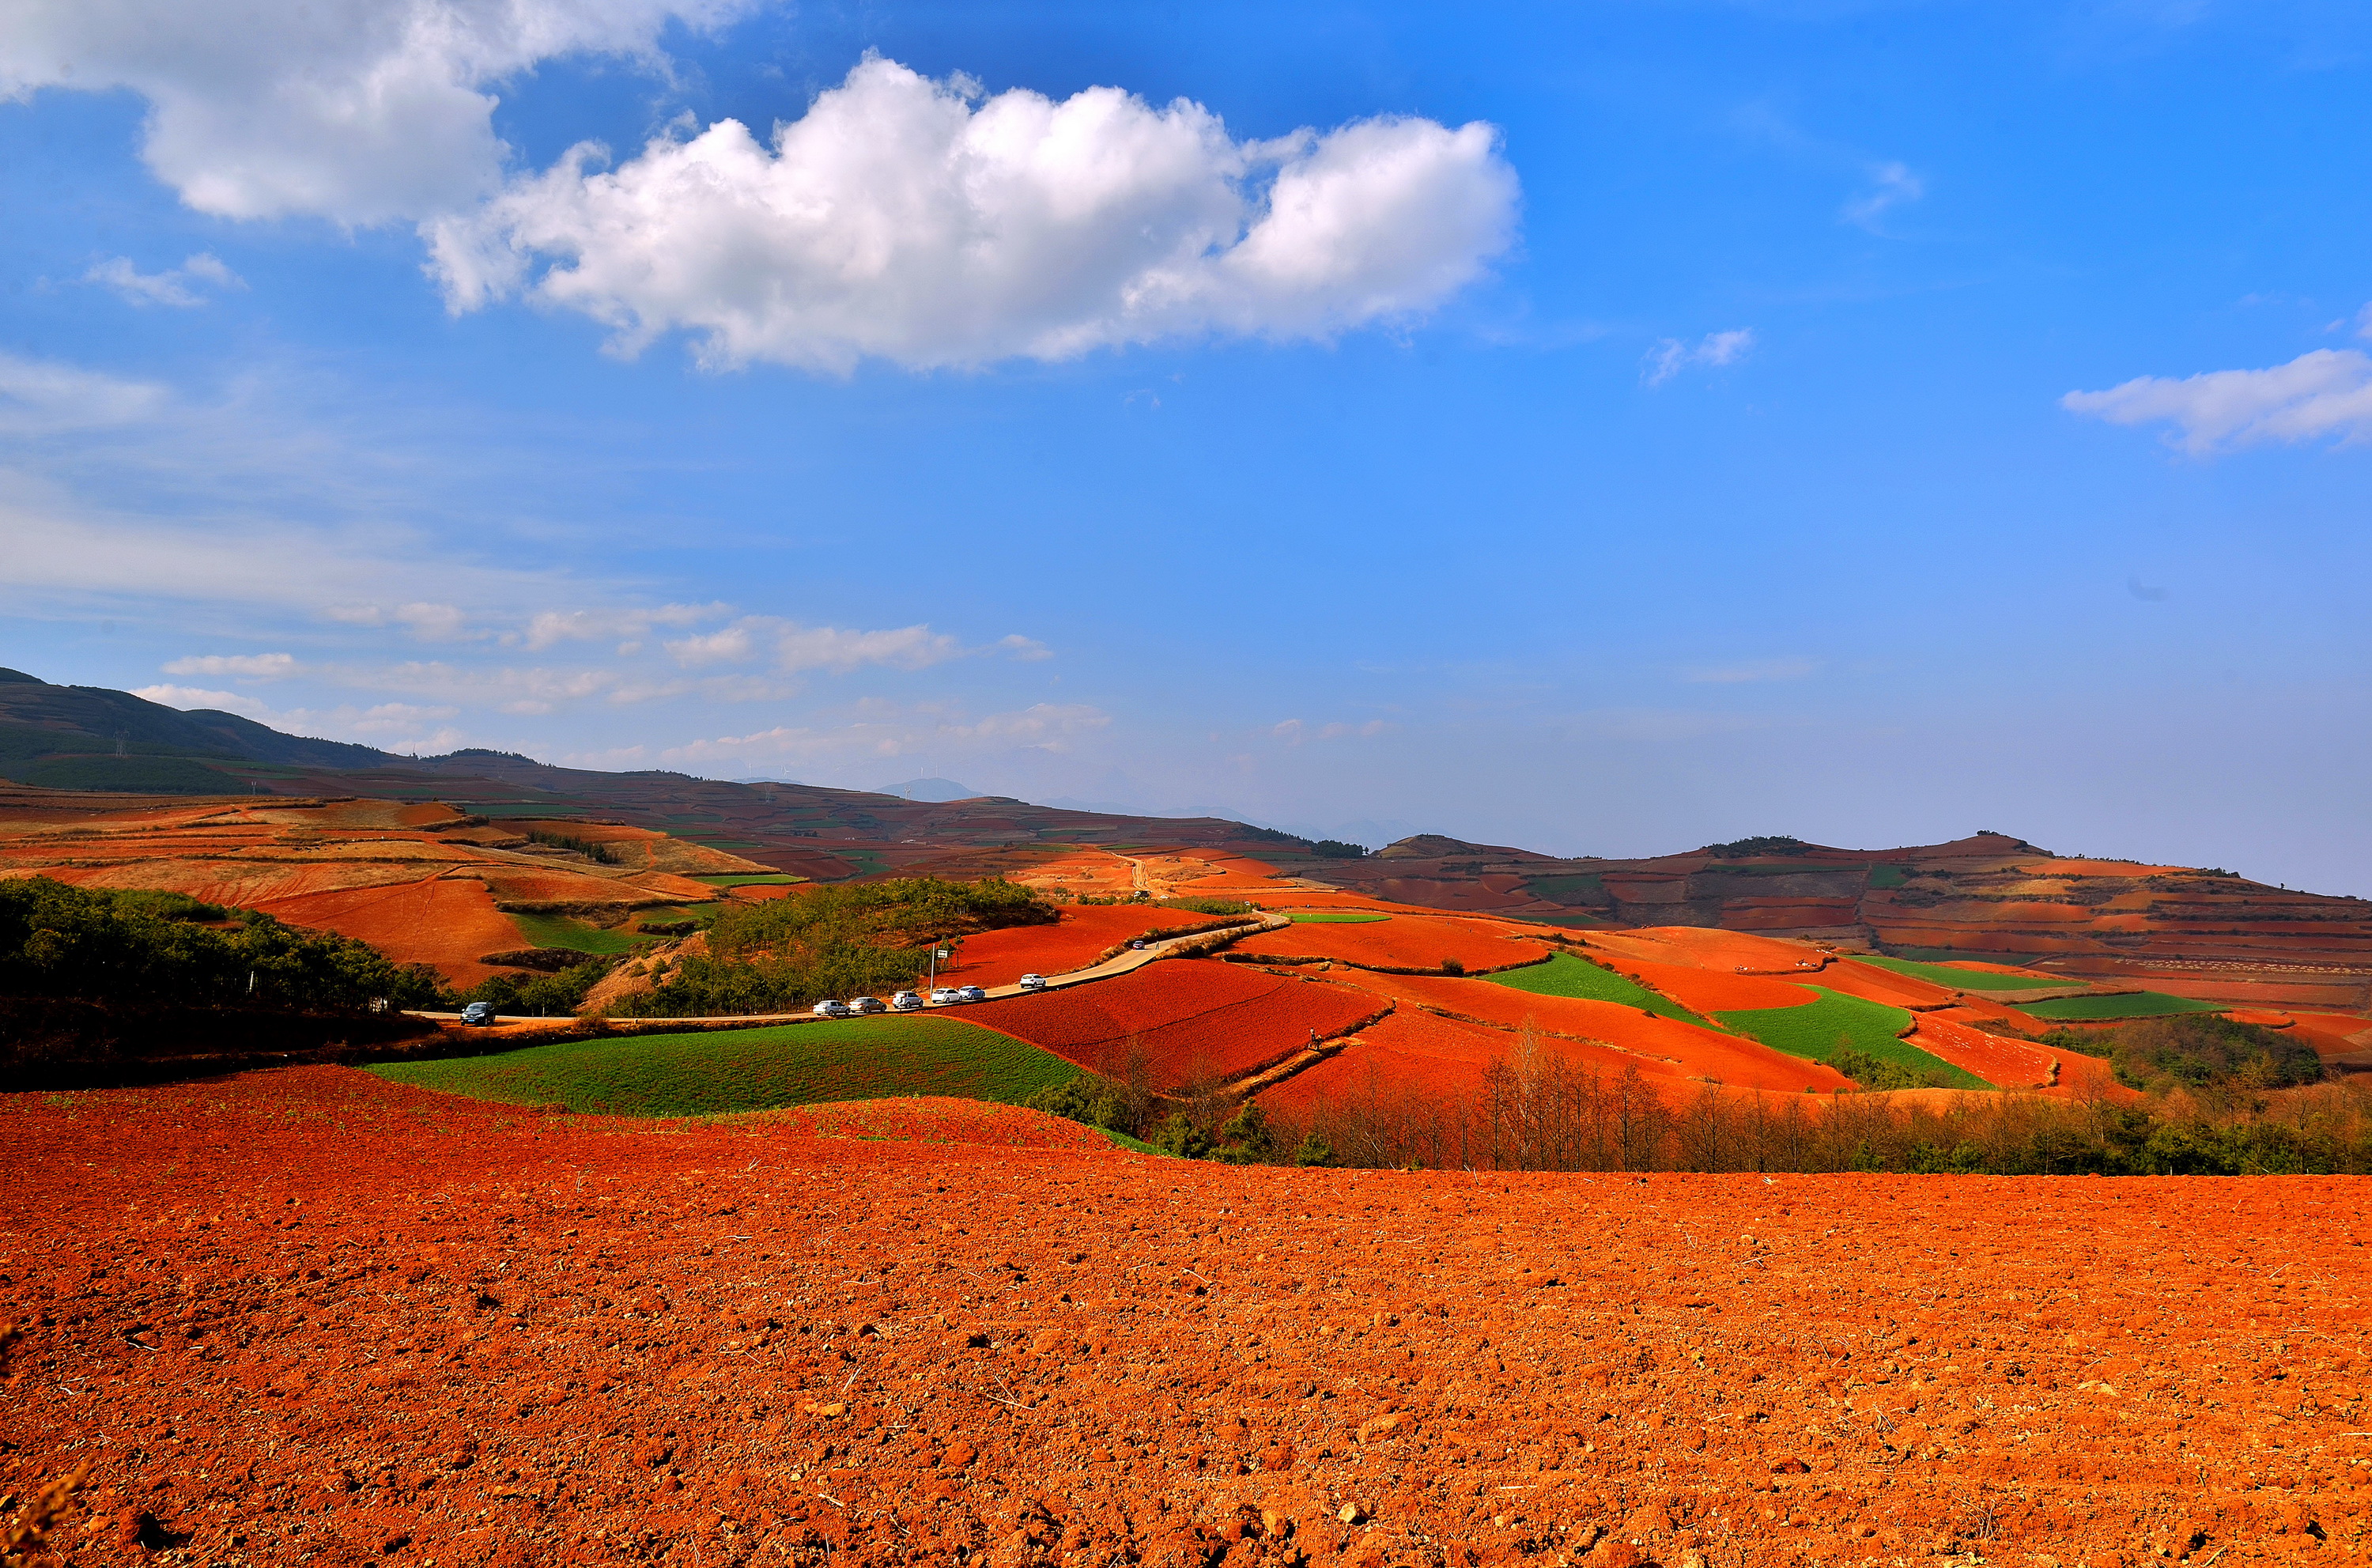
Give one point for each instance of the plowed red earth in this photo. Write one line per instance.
(1074, 941)
(1874, 985)
(1713, 990)
(2003, 1063)
(449, 923)
(307, 1317)
(1709, 949)
(1403, 941)
(1189, 1016)
(1661, 1046)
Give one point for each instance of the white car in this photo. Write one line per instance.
(832, 1010)
(905, 1002)
(869, 1005)
(1033, 982)
(971, 994)
(945, 994)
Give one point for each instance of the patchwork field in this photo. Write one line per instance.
(314, 1316)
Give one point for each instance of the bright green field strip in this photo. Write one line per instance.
(748, 879)
(712, 1074)
(2133, 1004)
(1965, 980)
(1564, 975)
(1333, 917)
(1819, 1031)
(559, 931)
(1887, 876)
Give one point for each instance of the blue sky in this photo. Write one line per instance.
(1605, 428)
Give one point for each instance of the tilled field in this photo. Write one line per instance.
(307, 1316)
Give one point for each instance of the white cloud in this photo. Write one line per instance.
(187, 697)
(1751, 671)
(1891, 184)
(551, 626)
(1670, 356)
(1027, 649)
(356, 110)
(171, 287)
(830, 647)
(40, 396)
(2327, 392)
(901, 219)
(252, 666)
(733, 644)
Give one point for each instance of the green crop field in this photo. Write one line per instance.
(1566, 975)
(1818, 1031)
(2131, 1004)
(559, 931)
(1580, 887)
(1949, 955)
(748, 878)
(1887, 876)
(1333, 917)
(1966, 980)
(763, 1068)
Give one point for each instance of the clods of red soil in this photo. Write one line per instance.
(309, 1316)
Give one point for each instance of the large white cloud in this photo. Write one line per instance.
(357, 110)
(2325, 393)
(918, 221)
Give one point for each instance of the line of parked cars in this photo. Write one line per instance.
(912, 1001)
(903, 1002)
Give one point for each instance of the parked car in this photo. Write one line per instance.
(478, 1013)
(869, 1005)
(1033, 982)
(905, 1002)
(1138, 945)
(833, 1010)
(944, 995)
(971, 994)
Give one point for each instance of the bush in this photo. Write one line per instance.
(1336, 849)
(1086, 1100)
(139, 946)
(556, 995)
(1313, 1149)
(1248, 1139)
(1211, 906)
(1452, 965)
(593, 850)
(1178, 1134)
(2206, 1051)
(1871, 1073)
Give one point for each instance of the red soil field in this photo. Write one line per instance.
(451, 922)
(1660, 1045)
(1076, 941)
(2331, 1034)
(1189, 1015)
(1999, 1061)
(1712, 991)
(1403, 941)
(309, 1316)
(1411, 1052)
(1708, 948)
(1874, 985)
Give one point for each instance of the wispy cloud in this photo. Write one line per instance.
(250, 667)
(1891, 186)
(179, 287)
(2323, 393)
(1671, 356)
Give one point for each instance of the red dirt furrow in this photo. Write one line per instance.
(306, 1316)
(446, 921)
(1188, 1016)
(1406, 941)
(2004, 1063)
(1078, 938)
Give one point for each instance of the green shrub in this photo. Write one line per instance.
(1179, 1134)
(1314, 1150)
(1336, 849)
(1211, 906)
(1087, 1099)
(1248, 1139)
(57, 940)
(555, 996)
(1871, 1073)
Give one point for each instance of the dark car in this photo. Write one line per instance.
(478, 1013)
